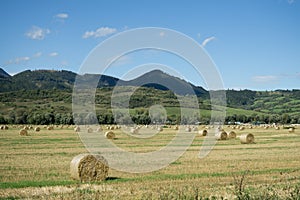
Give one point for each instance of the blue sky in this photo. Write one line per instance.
(254, 43)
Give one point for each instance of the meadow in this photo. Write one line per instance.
(37, 167)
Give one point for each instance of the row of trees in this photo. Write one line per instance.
(139, 116)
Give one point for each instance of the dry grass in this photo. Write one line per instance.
(45, 157)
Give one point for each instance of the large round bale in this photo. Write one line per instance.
(242, 128)
(99, 129)
(277, 128)
(222, 135)
(203, 132)
(89, 167)
(176, 128)
(110, 135)
(247, 138)
(291, 130)
(23, 132)
(50, 128)
(231, 135)
(37, 129)
(89, 130)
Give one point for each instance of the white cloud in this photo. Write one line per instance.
(265, 79)
(53, 54)
(290, 1)
(36, 55)
(207, 40)
(62, 16)
(18, 60)
(37, 33)
(100, 32)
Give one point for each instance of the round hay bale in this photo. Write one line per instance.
(89, 167)
(110, 135)
(89, 130)
(50, 128)
(188, 129)
(247, 138)
(5, 127)
(77, 129)
(37, 129)
(277, 128)
(195, 129)
(242, 128)
(111, 128)
(134, 131)
(291, 130)
(222, 135)
(203, 132)
(23, 132)
(99, 129)
(231, 135)
(176, 128)
(26, 128)
(160, 128)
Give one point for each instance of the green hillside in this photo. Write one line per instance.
(45, 97)
(55, 106)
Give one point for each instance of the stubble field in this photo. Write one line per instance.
(37, 167)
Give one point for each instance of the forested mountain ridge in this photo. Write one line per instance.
(45, 96)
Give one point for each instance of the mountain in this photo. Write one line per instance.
(64, 80)
(3, 74)
(50, 79)
(38, 79)
(163, 81)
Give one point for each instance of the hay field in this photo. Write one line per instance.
(37, 166)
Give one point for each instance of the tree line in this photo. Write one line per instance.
(139, 116)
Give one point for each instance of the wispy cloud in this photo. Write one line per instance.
(207, 40)
(24, 59)
(37, 33)
(265, 79)
(37, 54)
(18, 60)
(53, 54)
(100, 32)
(62, 16)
